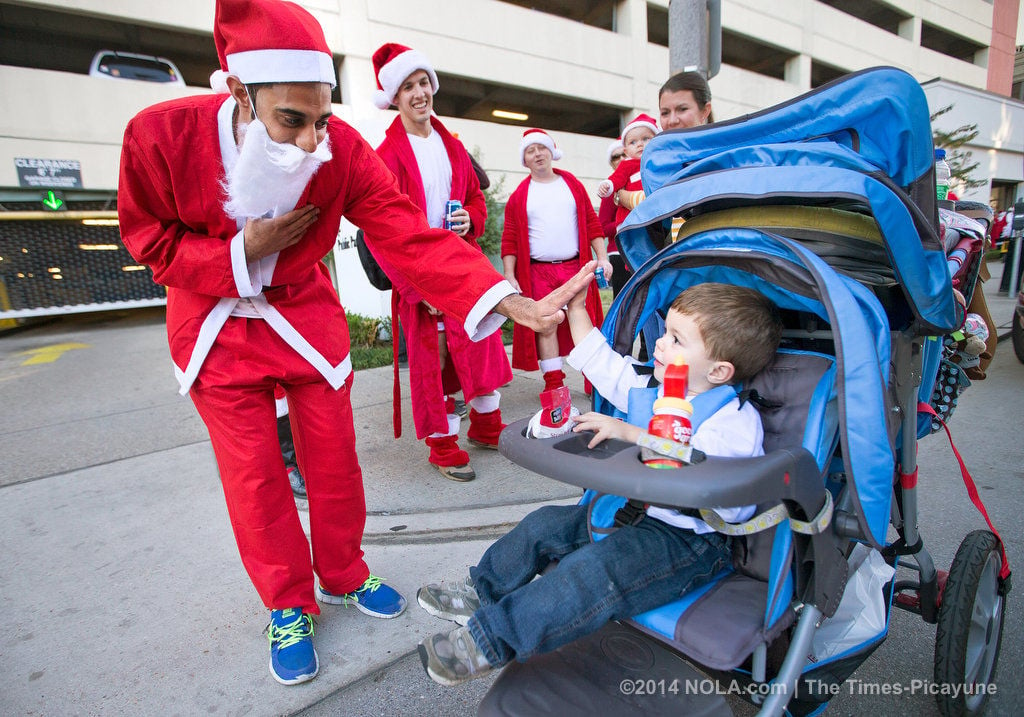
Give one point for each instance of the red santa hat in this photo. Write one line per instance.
(537, 136)
(641, 120)
(393, 63)
(269, 41)
(614, 145)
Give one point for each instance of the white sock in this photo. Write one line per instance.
(551, 364)
(485, 403)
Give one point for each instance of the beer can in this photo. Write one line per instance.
(451, 206)
(602, 283)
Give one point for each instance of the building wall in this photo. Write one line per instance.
(501, 43)
(62, 115)
(1005, 14)
(999, 146)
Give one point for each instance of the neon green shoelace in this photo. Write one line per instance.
(288, 635)
(372, 583)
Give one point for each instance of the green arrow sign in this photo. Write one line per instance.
(53, 201)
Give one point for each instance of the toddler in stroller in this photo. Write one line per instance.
(725, 334)
(826, 206)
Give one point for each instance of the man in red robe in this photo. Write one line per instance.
(432, 167)
(233, 200)
(551, 230)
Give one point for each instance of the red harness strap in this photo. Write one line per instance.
(972, 489)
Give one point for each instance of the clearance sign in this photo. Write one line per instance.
(49, 173)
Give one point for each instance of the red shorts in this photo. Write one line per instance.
(545, 278)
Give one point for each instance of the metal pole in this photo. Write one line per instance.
(695, 36)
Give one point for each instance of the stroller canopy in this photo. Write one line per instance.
(861, 144)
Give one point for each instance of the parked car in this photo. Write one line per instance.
(130, 66)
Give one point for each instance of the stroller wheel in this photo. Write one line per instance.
(1017, 333)
(970, 626)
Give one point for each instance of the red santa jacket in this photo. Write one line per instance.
(170, 206)
(626, 176)
(515, 240)
(480, 367)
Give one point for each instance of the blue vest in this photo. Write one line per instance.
(603, 506)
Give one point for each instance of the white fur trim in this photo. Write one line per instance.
(219, 82)
(617, 144)
(486, 403)
(381, 99)
(540, 138)
(247, 279)
(635, 124)
(395, 72)
(255, 66)
(551, 364)
(482, 321)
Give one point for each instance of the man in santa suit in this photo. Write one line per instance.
(551, 230)
(432, 166)
(233, 200)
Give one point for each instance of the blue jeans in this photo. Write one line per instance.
(635, 569)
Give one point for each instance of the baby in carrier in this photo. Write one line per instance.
(726, 334)
(635, 137)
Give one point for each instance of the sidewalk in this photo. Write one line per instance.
(135, 602)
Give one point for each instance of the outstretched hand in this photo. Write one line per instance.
(544, 315)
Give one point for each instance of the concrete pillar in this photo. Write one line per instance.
(631, 20)
(910, 29)
(687, 36)
(358, 84)
(798, 72)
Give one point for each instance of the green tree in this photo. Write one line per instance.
(958, 159)
(490, 240)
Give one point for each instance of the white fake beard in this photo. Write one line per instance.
(269, 177)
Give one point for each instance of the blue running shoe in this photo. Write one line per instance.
(292, 657)
(373, 598)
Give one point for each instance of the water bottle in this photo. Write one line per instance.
(942, 175)
(672, 413)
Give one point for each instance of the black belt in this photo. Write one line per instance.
(560, 261)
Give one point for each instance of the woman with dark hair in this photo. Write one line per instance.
(685, 101)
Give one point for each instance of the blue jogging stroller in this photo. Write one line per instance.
(826, 205)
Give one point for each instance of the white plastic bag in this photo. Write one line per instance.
(861, 613)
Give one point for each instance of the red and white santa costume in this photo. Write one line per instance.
(515, 240)
(478, 367)
(627, 174)
(236, 330)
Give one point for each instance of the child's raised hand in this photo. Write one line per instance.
(605, 427)
(578, 300)
(604, 189)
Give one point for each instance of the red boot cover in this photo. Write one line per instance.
(445, 451)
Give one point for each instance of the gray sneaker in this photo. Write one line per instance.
(456, 602)
(451, 658)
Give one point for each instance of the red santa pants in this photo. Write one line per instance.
(234, 394)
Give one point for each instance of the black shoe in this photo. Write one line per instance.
(461, 409)
(297, 481)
